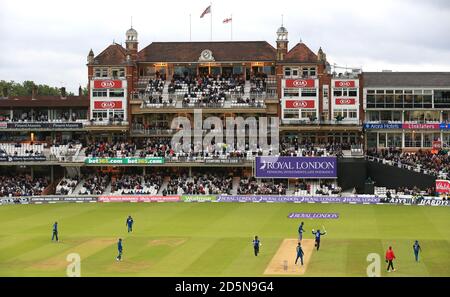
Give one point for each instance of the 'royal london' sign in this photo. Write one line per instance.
(119, 161)
(296, 167)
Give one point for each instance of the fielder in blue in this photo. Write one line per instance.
(55, 232)
(129, 224)
(416, 249)
(300, 254)
(317, 234)
(256, 245)
(300, 231)
(120, 249)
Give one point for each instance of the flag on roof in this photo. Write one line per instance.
(207, 10)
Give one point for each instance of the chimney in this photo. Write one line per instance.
(5, 92)
(34, 92)
(63, 92)
(80, 91)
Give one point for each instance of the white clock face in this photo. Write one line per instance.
(206, 54)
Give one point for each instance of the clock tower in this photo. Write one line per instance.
(282, 43)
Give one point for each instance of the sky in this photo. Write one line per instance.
(48, 40)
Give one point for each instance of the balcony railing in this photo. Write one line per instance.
(106, 122)
(405, 122)
(320, 122)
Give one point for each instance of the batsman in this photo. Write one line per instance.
(317, 235)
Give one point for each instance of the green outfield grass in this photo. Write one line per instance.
(214, 239)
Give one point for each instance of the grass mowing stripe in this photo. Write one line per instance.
(217, 257)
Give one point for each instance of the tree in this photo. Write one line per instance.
(26, 88)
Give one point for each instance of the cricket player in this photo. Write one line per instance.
(120, 249)
(390, 256)
(300, 232)
(256, 245)
(129, 224)
(317, 234)
(300, 253)
(55, 232)
(416, 249)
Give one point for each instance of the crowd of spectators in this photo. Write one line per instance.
(105, 150)
(136, 184)
(66, 186)
(207, 84)
(39, 116)
(327, 188)
(249, 186)
(414, 191)
(22, 185)
(95, 184)
(258, 83)
(425, 161)
(199, 184)
(19, 149)
(291, 147)
(155, 85)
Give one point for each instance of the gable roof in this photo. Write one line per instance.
(114, 54)
(300, 53)
(222, 51)
(407, 79)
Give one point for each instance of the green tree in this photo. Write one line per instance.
(26, 88)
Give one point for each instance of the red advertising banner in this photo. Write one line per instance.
(420, 126)
(107, 84)
(300, 104)
(437, 145)
(300, 83)
(344, 84)
(345, 101)
(442, 186)
(107, 104)
(138, 198)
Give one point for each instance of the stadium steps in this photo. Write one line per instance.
(164, 185)
(235, 187)
(71, 172)
(165, 92)
(247, 88)
(108, 189)
(78, 187)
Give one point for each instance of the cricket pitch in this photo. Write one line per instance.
(283, 262)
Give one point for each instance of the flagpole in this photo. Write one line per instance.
(190, 28)
(232, 27)
(210, 5)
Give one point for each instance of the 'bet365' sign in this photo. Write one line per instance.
(120, 161)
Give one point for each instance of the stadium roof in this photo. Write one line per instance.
(226, 51)
(407, 79)
(300, 53)
(114, 54)
(44, 101)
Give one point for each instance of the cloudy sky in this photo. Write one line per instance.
(47, 41)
